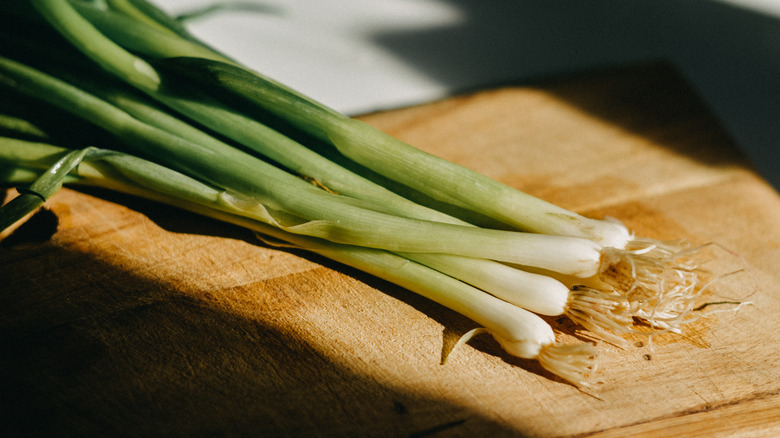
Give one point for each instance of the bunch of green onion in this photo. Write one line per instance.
(153, 112)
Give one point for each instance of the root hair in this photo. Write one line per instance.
(575, 363)
(605, 313)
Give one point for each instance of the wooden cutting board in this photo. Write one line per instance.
(124, 317)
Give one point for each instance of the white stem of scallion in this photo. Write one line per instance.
(606, 313)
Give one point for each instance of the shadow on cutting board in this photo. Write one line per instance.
(106, 352)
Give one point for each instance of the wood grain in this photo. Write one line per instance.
(124, 317)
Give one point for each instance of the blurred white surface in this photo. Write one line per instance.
(326, 49)
(360, 56)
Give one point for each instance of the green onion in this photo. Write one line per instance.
(596, 310)
(557, 253)
(192, 128)
(381, 153)
(518, 331)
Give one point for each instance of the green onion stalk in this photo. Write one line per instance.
(246, 149)
(603, 313)
(139, 73)
(658, 276)
(520, 332)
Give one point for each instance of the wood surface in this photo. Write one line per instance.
(121, 317)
